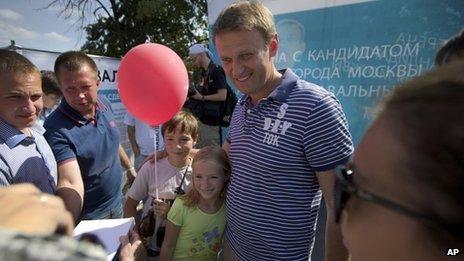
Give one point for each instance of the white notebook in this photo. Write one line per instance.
(107, 231)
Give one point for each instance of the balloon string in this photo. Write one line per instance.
(156, 169)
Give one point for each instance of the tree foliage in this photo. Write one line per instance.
(123, 24)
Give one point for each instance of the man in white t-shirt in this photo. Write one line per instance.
(141, 136)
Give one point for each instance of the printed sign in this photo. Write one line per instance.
(359, 49)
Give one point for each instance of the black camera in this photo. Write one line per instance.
(179, 191)
(191, 91)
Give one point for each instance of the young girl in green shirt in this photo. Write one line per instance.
(196, 221)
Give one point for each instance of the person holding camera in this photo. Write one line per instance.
(212, 94)
(173, 178)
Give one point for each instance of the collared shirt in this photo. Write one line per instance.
(94, 143)
(44, 114)
(26, 159)
(214, 79)
(276, 148)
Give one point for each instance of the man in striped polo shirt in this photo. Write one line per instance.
(286, 138)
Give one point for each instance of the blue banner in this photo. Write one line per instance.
(361, 51)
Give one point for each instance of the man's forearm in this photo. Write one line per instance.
(221, 95)
(130, 208)
(132, 140)
(128, 169)
(125, 161)
(71, 187)
(335, 250)
(72, 200)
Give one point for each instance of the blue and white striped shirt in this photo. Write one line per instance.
(26, 159)
(276, 148)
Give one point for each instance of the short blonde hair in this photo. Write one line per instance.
(246, 15)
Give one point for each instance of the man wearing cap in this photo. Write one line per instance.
(214, 89)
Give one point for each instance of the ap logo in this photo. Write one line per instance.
(452, 252)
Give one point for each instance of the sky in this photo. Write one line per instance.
(31, 26)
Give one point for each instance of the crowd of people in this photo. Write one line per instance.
(398, 196)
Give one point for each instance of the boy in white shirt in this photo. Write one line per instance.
(180, 135)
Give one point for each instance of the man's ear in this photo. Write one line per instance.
(273, 46)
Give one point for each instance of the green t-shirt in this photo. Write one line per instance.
(200, 233)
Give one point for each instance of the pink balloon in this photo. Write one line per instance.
(152, 82)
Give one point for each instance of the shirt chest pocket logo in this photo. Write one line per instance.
(274, 128)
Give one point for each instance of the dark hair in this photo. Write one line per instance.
(246, 15)
(428, 118)
(73, 61)
(187, 122)
(452, 47)
(12, 62)
(50, 83)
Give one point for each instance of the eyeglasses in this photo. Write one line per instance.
(344, 188)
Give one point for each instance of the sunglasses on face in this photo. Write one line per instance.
(345, 188)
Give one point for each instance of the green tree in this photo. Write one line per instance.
(123, 24)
